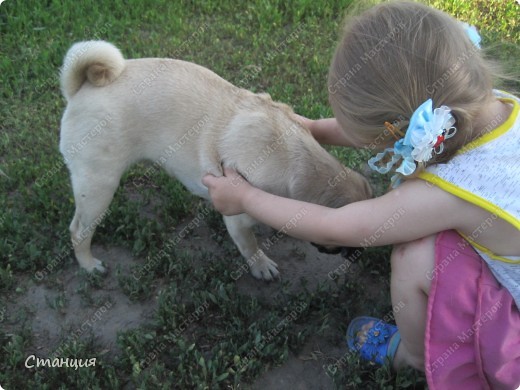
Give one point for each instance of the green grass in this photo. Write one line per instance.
(246, 43)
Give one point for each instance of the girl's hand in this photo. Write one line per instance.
(326, 131)
(305, 122)
(227, 192)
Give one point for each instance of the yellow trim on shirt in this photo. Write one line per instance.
(488, 252)
(470, 197)
(473, 198)
(503, 128)
(467, 195)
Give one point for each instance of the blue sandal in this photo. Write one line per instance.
(381, 343)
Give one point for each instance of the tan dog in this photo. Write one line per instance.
(190, 122)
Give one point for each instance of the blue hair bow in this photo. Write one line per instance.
(427, 131)
(472, 33)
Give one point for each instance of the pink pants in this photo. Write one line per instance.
(472, 336)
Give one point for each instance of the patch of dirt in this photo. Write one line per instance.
(63, 310)
(299, 261)
(61, 306)
(306, 371)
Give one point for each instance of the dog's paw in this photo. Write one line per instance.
(95, 265)
(265, 269)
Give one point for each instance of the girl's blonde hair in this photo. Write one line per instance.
(395, 56)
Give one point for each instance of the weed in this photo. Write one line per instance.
(204, 332)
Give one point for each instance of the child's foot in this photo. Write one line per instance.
(376, 341)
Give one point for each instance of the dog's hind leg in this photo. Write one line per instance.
(240, 230)
(93, 192)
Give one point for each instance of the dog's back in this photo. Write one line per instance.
(144, 109)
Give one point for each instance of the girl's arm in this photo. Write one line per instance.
(326, 131)
(415, 210)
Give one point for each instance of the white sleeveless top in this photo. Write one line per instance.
(486, 172)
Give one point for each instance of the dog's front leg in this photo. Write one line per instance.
(240, 229)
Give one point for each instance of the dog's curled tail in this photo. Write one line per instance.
(98, 61)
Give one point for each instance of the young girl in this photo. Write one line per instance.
(410, 80)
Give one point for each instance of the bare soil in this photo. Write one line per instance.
(56, 307)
